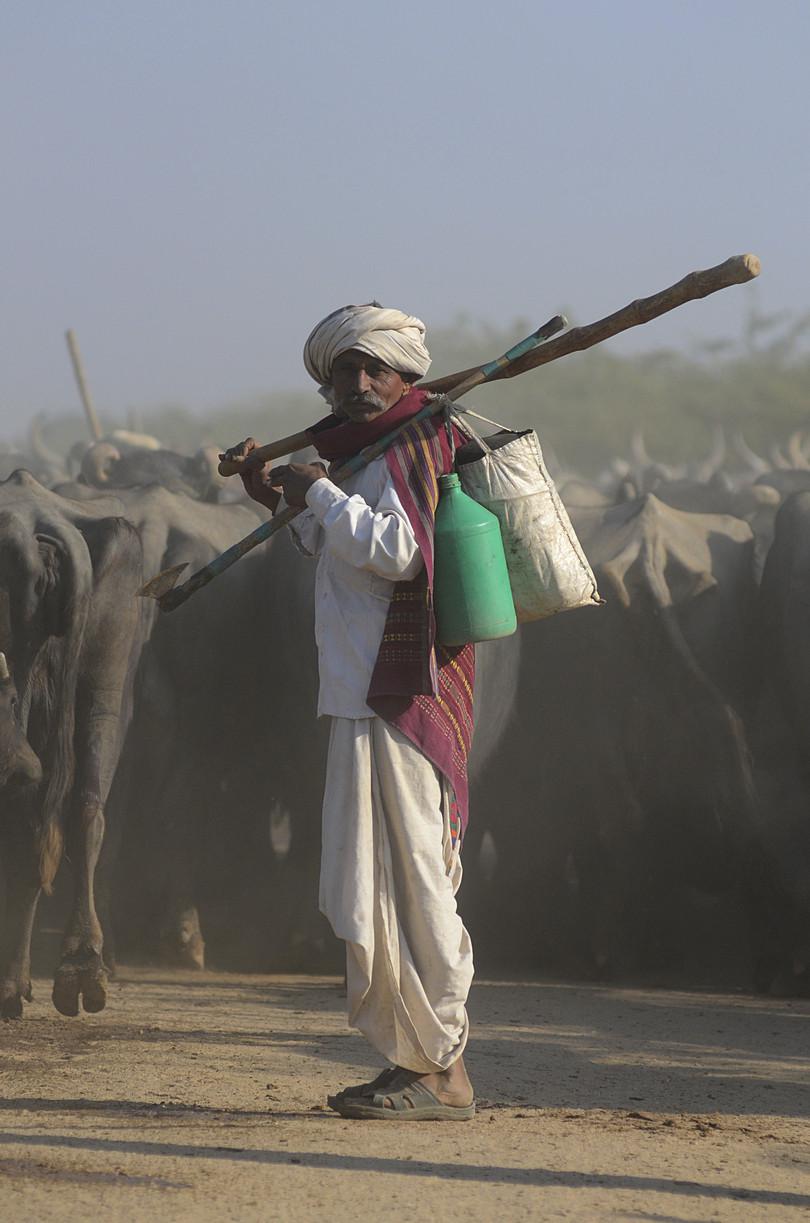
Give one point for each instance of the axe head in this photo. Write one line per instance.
(160, 586)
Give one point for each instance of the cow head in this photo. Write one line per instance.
(98, 463)
(20, 768)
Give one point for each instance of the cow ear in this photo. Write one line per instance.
(52, 587)
(686, 581)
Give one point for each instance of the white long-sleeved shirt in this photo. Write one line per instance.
(364, 544)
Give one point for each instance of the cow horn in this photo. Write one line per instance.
(650, 466)
(795, 451)
(755, 461)
(638, 449)
(4, 671)
(134, 441)
(98, 462)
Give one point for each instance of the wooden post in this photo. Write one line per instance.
(81, 381)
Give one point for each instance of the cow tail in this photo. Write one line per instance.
(56, 675)
(51, 848)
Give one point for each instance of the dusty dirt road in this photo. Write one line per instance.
(202, 1097)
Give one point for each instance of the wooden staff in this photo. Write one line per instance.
(164, 587)
(735, 271)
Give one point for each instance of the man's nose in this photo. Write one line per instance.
(362, 381)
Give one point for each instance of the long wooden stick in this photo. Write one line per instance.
(81, 381)
(735, 271)
(164, 586)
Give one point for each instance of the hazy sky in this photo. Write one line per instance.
(192, 184)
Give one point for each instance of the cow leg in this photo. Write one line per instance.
(81, 972)
(20, 857)
(116, 551)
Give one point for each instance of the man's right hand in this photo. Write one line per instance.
(254, 475)
(236, 454)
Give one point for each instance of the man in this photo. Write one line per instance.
(401, 709)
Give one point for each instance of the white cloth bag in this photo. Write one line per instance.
(548, 570)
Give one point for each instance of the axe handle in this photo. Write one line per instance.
(266, 454)
(735, 271)
(174, 598)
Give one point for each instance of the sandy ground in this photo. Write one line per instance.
(202, 1097)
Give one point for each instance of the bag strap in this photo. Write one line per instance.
(474, 436)
(472, 432)
(453, 412)
(478, 416)
(447, 418)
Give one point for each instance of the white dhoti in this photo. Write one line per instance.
(389, 876)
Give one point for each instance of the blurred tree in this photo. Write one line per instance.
(585, 406)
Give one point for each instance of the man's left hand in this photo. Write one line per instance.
(295, 479)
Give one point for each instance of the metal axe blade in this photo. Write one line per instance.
(158, 587)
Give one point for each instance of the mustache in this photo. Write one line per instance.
(362, 398)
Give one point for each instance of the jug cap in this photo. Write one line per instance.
(449, 481)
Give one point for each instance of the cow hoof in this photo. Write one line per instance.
(93, 989)
(87, 981)
(66, 992)
(11, 999)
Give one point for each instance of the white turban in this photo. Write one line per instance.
(395, 338)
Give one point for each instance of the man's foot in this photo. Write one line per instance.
(452, 1086)
(363, 1089)
(407, 1095)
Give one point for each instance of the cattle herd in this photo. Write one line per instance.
(640, 788)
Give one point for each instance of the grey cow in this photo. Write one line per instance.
(73, 633)
(69, 631)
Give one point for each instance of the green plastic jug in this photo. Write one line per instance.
(471, 593)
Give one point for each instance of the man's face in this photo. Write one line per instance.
(364, 386)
